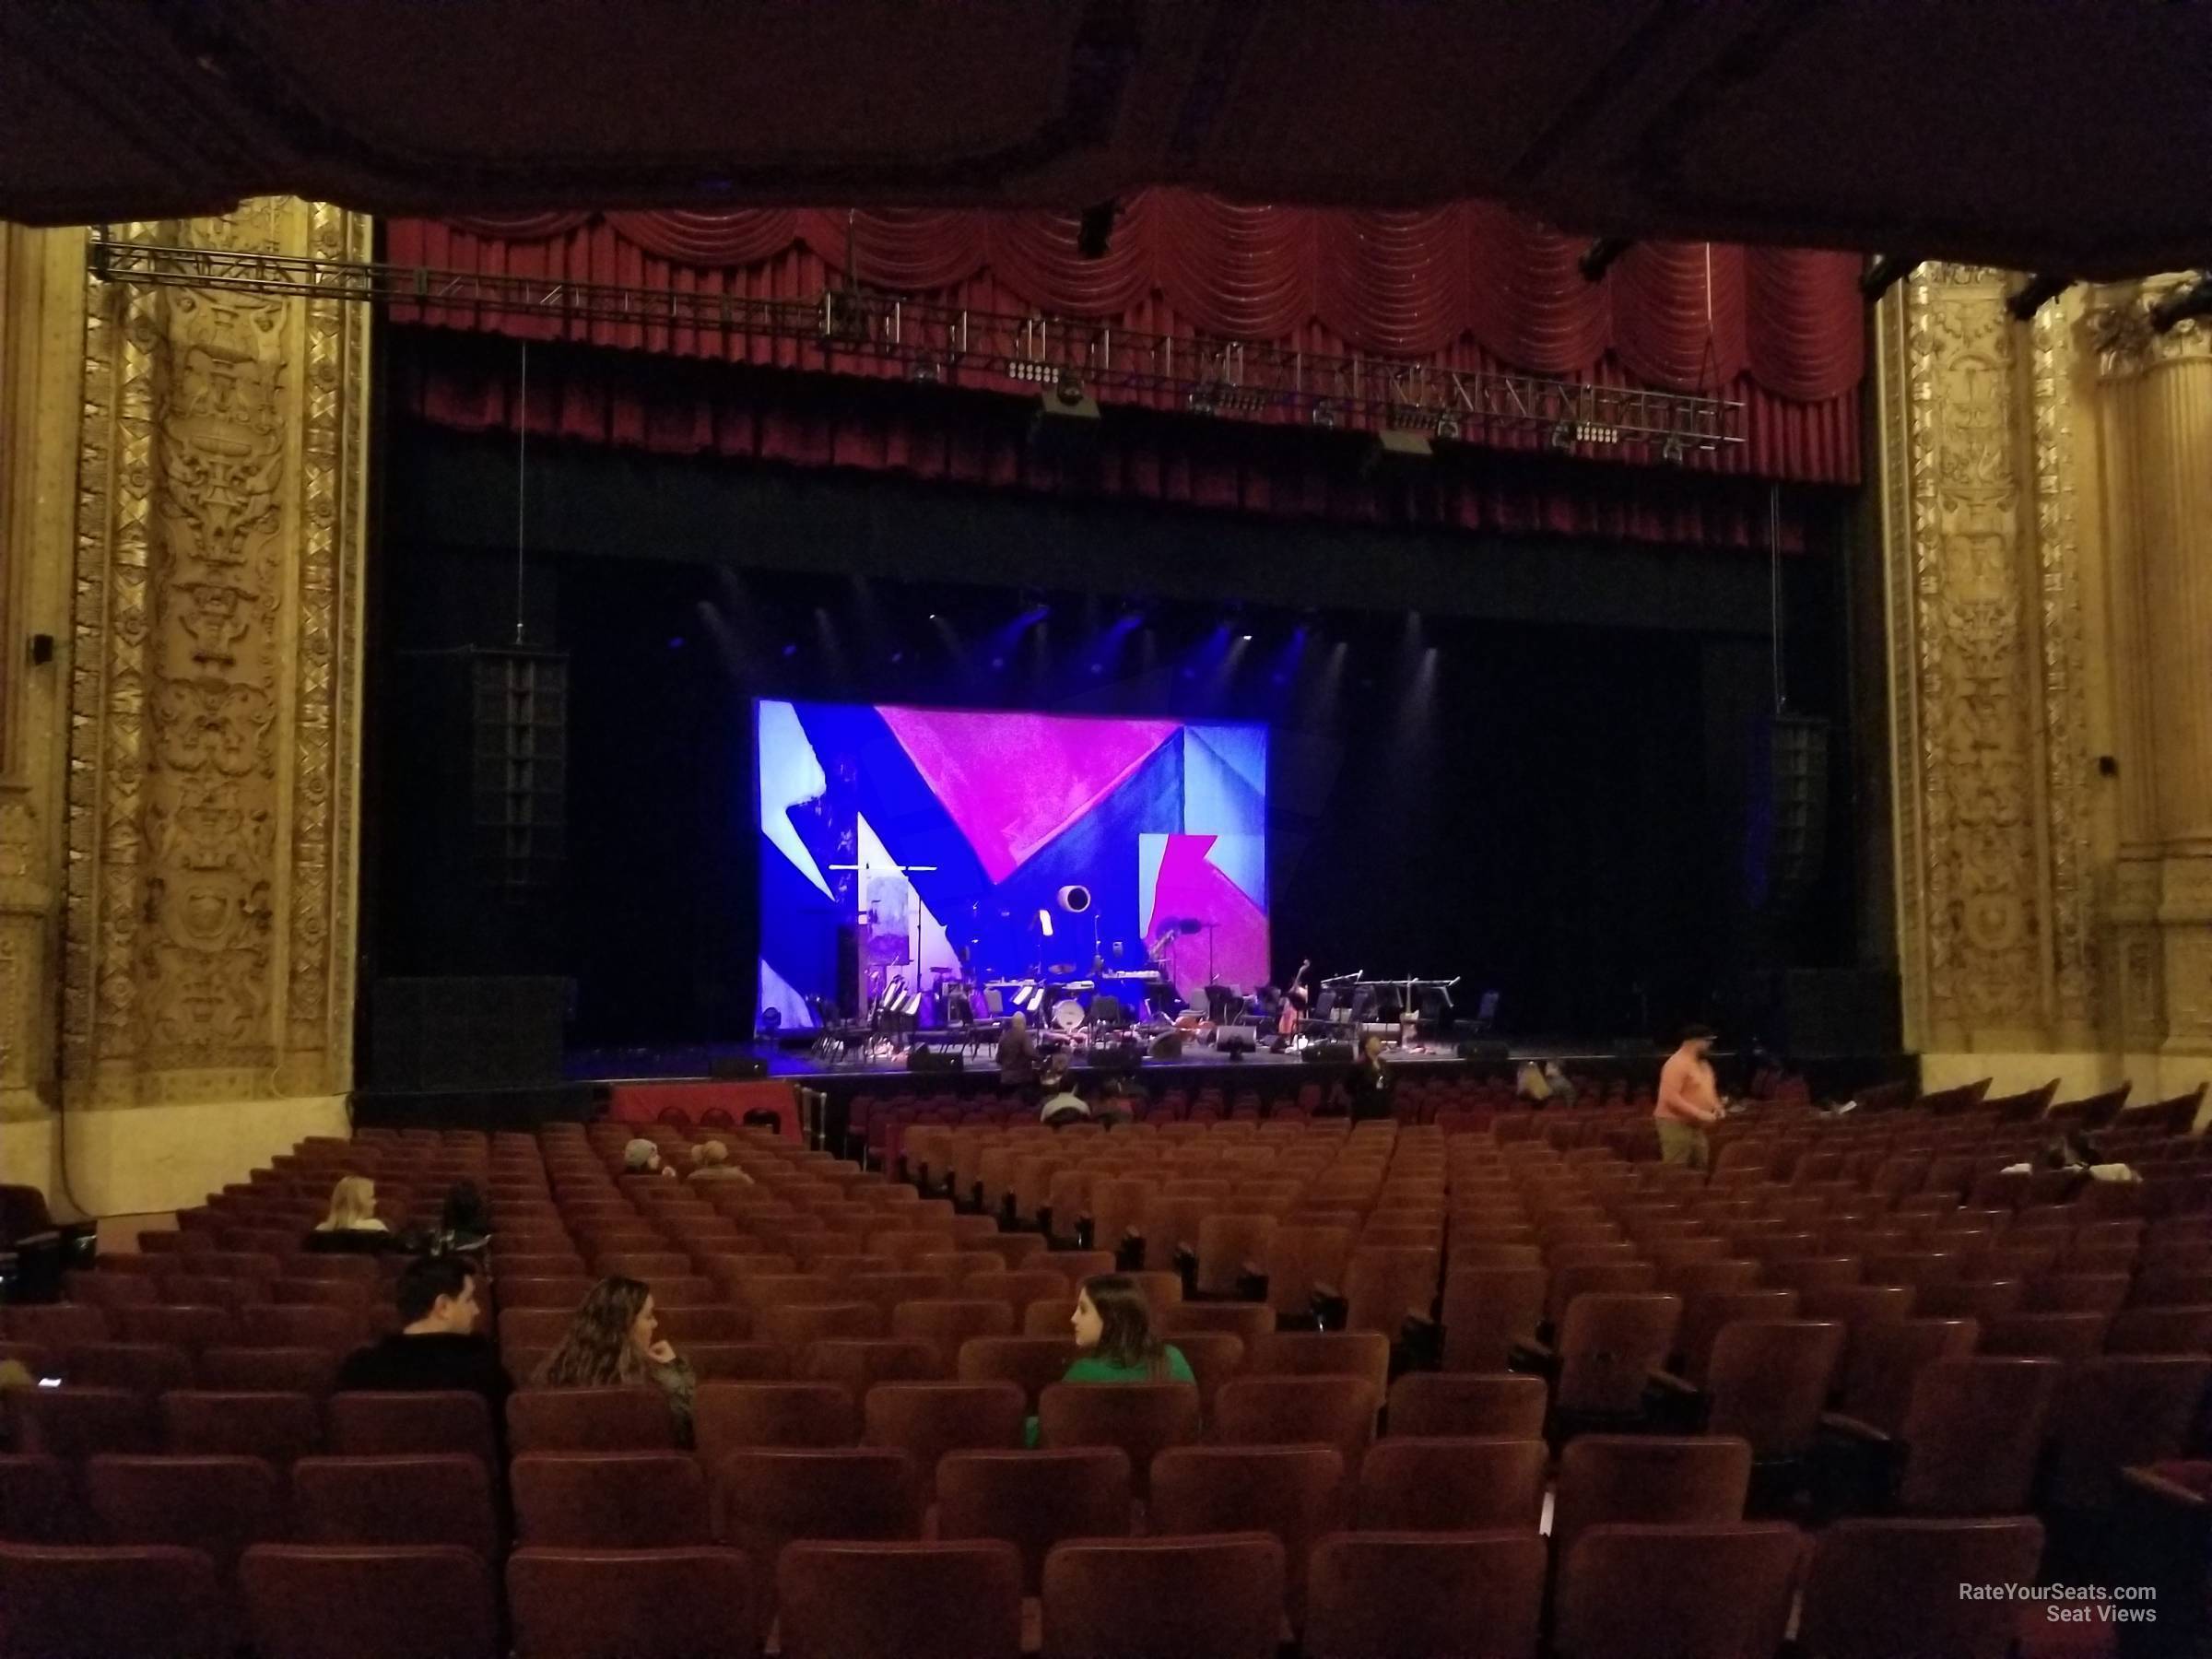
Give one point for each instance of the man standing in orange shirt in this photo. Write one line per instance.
(1689, 1103)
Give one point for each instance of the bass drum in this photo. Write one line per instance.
(1067, 1014)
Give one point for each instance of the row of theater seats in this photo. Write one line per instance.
(1467, 1195)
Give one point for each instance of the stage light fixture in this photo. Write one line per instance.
(2039, 291)
(1447, 425)
(1598, 257)
(1885, 272)
(1672, 450)
(1324, 415)
(1094, 227)
(1044, 923)
(2178, 305)
(1562, 435)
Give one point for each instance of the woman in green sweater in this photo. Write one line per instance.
(1113, 1325)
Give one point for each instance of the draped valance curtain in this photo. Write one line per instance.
(1464, 286)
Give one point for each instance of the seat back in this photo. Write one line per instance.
(1768, 1380)
(1130, 1598)
(764, 1499)
(1142, 1419)
(1414, 1483)
(279, 1427)
(921, 1601)
(150, 1602)
(1034, 1499)
(926, 1420)
(432, 1497)
(401, 1423)
(1643, 1592)
(2115, 1412)
(1672, 1479)
(1441, 1403)
(729, 1417)
(1972, 1432)
(1882, 1360)
(1609, 1347)
(1877, 1588)
(220, 1504)
(609, 1499)
(1486, 1310)
(694, 1603)
(631, 1419)
(1329, 1411)
(313, 1601)
(1295, 1492)
(1407, 1596)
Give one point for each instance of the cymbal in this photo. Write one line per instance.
(1061, 968)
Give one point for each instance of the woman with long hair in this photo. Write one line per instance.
(611, 1343)
(352, 1207)
(1113, 1325)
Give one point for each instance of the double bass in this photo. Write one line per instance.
(1294, 1003)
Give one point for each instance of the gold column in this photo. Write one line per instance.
(196, 537)
(2157, 418)
(1990, 697)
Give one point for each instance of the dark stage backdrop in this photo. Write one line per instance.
(1544, 794)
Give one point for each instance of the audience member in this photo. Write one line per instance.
(1062, 1105)
(352, 1226)
(1117, 1102)
(1555, 1079)
(611, 1342)
(711, 1161)
(1689, 1102)
(1113, 1325)
(436, 1346)
(1366, 1090)
(465, 1221)
(1016, 1054)
(640, 1157)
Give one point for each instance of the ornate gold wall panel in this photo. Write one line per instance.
(214, 687)
(1998, 941)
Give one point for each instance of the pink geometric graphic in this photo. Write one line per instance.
(1191, 886)
(1013, 782)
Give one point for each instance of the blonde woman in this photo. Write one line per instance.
(612, 1341)
(352, 1224)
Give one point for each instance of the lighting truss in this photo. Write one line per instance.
(954, 346)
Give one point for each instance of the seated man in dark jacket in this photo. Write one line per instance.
(437, 1346)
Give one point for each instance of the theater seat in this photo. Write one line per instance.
(437, 1498)
(398, 1423)
(1413, 1595)
(1034, 1499)
(609, 1500)
(1636, 1592)
(918, 1601)
(1136, 1598)
(153, 1602)
(310, 1601)
(641, 1604)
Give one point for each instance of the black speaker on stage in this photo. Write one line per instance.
(1491, 1053)
(1235, 1040)
(1787, 846)
(1167, 1045)
(1118, 1059)
(1329, 1053)
(936, 1060)
(737, 1068)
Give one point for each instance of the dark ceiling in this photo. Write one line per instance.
(2057, 135)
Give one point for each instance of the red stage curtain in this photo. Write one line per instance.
(1466, 286)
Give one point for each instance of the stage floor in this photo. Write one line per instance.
(700, 1060)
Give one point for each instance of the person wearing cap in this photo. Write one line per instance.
(1690, 1103)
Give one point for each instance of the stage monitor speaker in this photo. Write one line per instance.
(1235, 1040)
(1491, 1053)
(1167, 1045)
(737, 1068)
(1329, 1053)
(1118, 1058)
(936, 1060)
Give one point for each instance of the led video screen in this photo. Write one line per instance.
(914, 848)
